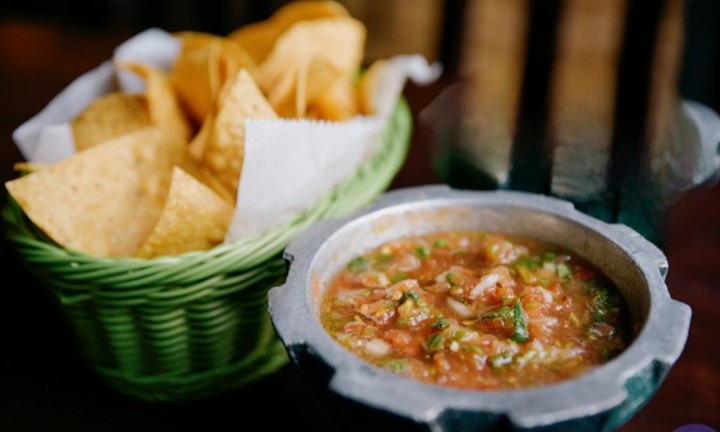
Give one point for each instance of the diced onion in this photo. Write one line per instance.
(486, 282)
(459, 308)
(441, 277)
(547, 295)
(407, 263)
(550, 266)
(377, 347)
(349, 295)
(375, 280)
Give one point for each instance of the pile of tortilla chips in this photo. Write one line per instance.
(157, 173)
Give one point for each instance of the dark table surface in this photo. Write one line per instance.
(45, 385)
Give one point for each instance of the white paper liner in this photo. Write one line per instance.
(67, 104)
(281, 175)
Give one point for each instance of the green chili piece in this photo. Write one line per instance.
(606, 354)
(520, 334)
(410, 294)
(422, 252)
(453, 279)
(358, 264)
(502, 312)
(600, 305)
(525, 274)
(435, 342)
(475, 349)
(395, 365)
(440, 243)
(441, 323)
(564, 271)
(397, 277)
(527, 263)
(384, 259)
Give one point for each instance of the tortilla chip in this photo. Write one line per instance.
(109, 116)
(204, 65)
(163, 105)
(28, 167)
(105, 200)
(337, 103)
(258, 39)
(222, 150)
(288, 93)
(194, 218)
(197, 146)
(192, 167)
(366, 98)
(322, 56)
(190, 78)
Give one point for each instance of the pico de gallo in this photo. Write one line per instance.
(476, 310)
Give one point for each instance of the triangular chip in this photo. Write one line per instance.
(109, 116)
(367, 99)
(194, 218)
(204, 65)
(192, 167)
(163, 106)
(222, 150)
(28, 167)
(190, 78)
(103, 201)
(258, 39)
(288, 93)
(338, 102)
(323, 55)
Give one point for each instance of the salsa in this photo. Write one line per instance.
(475, 310)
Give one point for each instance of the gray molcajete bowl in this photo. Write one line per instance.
(600, 400)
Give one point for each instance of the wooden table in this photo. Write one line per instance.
(45, 385)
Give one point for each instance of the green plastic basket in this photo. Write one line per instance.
(193, 325)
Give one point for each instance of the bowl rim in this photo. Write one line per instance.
(657, 345)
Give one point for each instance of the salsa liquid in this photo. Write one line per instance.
(475, 310)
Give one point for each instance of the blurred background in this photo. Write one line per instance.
(528, 76)
(573, 98)
(438, 29)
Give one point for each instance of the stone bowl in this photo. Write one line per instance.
(368, 396)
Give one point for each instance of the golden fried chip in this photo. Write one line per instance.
(288, 92)
(202, 174)
(28, 167)
(204, 65)
(366, 99)
(258, 39)
(190, 78)
(109, 116)
(163, 105)
(193, 218)
(337, 102)
(220, 145)
(197, 146)
(322, 56)
(105, 200)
